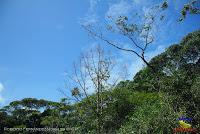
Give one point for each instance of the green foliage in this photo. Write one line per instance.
(152, 115)
(150, 103)
(191, 7)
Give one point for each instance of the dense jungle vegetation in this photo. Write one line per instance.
(149, 103)
(166, 88)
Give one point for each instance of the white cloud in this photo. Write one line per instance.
(90, 18)
(93, 4)
(1, 89)
(159, 49)
(142, 2)
(121, 8)
(138, 1)
(125, 7)
(135, 64)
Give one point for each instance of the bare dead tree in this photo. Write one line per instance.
(93, 74)
(138, 31)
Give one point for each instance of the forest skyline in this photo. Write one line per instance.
(39, 42)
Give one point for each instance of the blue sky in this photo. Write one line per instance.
(40, 40)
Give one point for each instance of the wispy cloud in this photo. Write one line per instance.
(91, 16)
(138, 1)
(117, 9)
(89, 19)
(93, 4)
(129, 8)
(1, 89)
(142, 2)
(135, 64)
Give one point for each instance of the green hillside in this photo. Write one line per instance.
(150, 103)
